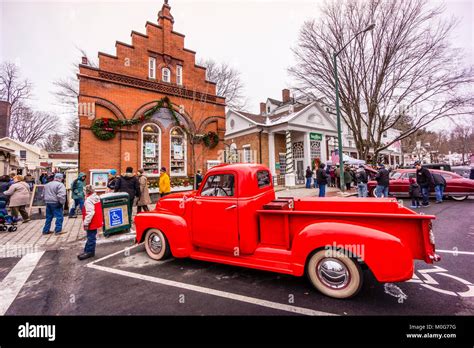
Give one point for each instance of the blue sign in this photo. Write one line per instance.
(116, 217)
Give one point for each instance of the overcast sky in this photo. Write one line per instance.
(254, 36)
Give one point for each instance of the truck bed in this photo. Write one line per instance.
(279, 227)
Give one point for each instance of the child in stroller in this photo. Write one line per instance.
(7, 222)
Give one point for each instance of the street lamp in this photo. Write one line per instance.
(338, 112)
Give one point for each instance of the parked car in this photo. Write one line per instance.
(464, 171)
(235, 219)
(457, 187)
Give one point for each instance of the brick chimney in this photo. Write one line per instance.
(263, 108)
(5, 109)
(285, 95)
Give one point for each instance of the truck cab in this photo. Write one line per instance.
(235, 219)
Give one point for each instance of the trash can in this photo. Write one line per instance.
(117, 212)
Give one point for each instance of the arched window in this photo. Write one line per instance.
(178, 155)
(151, 144)
(166, 75)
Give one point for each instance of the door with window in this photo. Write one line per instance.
(215, 214)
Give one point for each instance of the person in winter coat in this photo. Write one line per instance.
(144, 199)
(128, 183)
(54, 197)
(112, 180)
(92, 220)
(198, 178)
(440, 185)
(77, 189)
(383, 180)
(361, 180)
(332, 175)
(4, 186)
(19, 194)
(322, 179)
(425, 180)
(309, 177)
(347, 177)
(164, 182)
(30, 180)
(414, 191)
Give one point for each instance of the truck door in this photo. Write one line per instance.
(215, 214)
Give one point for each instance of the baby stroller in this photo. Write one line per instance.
(7, 222)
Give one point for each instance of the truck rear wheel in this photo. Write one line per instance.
(156, 244)
(335, 274)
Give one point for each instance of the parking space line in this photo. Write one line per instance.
(209, 291)
(455, 252)
(113, 254)
(14, 281)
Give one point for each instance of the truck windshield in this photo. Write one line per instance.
(221, 185)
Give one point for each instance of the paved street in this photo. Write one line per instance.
(123, 280)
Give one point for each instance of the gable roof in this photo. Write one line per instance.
(27, 146)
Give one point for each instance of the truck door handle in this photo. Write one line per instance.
(231, 207)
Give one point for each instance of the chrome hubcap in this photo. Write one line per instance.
(155, 243)
(333, 273)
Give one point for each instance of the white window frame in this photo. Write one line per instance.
(179, 75)
(185, 149)
(244, 157)
(152, 67)
(159, 145)
(163, 70)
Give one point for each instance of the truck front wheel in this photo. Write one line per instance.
(156, 244)
(335, 274)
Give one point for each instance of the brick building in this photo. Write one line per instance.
(126, 85)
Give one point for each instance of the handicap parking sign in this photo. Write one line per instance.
(116, 217)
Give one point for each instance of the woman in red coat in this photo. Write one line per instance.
(93, 220)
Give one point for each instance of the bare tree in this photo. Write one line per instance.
(12, 88)
(32, 126)
(405, 67)
(72, 133)
(462, 140)
(53, 143)
(229, 82)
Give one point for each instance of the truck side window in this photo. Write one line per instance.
(263, 178)
(221, 185)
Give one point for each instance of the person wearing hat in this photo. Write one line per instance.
(112, 180)
(164, 182)
(77, 189)
(383, 181)
(128, 183)
(425, 180)
(92, 220)
(54, 197)
(361, 180)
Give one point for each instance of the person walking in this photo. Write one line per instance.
(43, 179)
(383, 181)
(92, 220)
(309, 177)
(332, 175)
(415, 193)
(347, 177)
(337, 175)
(30, 180)
(164, 182)
(322, 179)
(144, 198)
(198, 178)
(19, 194)
(439, 185)
(55, 198)
(77, 189)
(425, 180)
(361, 180)
(128, 183)
(112, 180)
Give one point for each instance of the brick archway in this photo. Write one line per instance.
(109, 106)
(145, 107)
(208, 121)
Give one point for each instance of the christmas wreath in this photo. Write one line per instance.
(211, 139)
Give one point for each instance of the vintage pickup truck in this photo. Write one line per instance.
(235, 219)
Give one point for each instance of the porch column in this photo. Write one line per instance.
(271, 153)
(324, 158)
(307, 151)
(290, 173)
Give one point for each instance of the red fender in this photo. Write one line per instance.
(385, 255)
(173, 226)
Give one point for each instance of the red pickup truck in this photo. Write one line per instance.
(235, 219)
